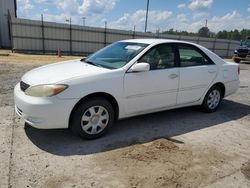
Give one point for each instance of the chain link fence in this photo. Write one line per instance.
(32, 36)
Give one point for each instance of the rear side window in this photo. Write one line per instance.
(191, 56)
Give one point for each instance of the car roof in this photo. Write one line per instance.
(151, 41)
(155, 41)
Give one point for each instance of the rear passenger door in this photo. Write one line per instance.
(197, 71)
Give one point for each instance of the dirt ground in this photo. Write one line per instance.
(176, 148)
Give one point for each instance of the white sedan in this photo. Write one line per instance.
(124, 79)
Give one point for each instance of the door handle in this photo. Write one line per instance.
(212, 71)
(172, 76)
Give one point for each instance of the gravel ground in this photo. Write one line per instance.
(176, 148)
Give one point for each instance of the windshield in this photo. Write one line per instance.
(246, 43)
(116, 55)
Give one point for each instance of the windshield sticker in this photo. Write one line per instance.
(133, 47)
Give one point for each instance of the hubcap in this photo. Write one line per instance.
(213, 99)
(94, 120)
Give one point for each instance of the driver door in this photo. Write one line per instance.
(156, 88)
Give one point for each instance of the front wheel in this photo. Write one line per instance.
(212, 99)
(236, 60)
(92, 118)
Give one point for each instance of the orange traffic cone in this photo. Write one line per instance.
(59, 53)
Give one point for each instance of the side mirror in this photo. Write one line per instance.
(140, 67)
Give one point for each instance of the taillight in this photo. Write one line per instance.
(238, 69)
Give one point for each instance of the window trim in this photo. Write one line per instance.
(195, 48)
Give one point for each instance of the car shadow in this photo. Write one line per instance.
(136, 130)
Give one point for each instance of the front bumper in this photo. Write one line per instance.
(43, 112)
(246, 58)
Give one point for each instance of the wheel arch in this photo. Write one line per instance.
(104, 95)
(222, 86)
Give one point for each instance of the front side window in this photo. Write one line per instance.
(190, 56)
(116, 55)
(159, 57)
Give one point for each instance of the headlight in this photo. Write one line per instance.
(45, 90)
(235, 51)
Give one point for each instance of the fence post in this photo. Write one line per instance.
(198, 40)
(70, 36)
(43, 40)
(214, 43)
(228, 47)
(157, 33)
(105, 34)
(134, 32)
(10, 30)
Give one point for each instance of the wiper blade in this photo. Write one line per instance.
(92, 63)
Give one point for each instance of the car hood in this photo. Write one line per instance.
(61, 71)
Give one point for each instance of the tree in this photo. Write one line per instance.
(222, 34)
(171, 31)
(236, 35)
(204, 32)
(244, 33)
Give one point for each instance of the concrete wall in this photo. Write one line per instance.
(48, 37)
(6, 5)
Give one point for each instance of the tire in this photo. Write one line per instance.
(92, 118)
(212, 99)
(236, 60)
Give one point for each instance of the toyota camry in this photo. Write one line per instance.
(124, 79)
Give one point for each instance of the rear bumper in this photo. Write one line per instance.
(231, 87)
(43, 112)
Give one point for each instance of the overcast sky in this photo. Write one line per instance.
(187, 15)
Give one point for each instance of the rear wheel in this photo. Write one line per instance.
(212, 99)
(92, 118)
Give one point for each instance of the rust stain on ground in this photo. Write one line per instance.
(245, 169)
(161, 163)
(58, 182)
